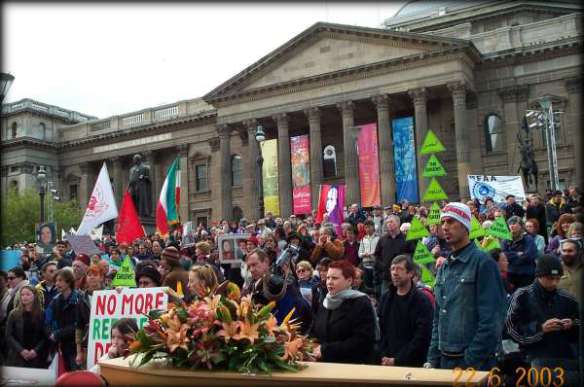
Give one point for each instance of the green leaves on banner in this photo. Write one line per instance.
(434, 168)
(434, 192)
(476, 230)
(499, 229)
(434, 214)
(431, 144)
(125, 276)
(490, 243)
(427, 276)
(417, 230)
(422, 255)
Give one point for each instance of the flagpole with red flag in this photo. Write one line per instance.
(128, 228)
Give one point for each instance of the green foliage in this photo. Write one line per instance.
(21, 214)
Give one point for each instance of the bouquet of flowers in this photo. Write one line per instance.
(222, 331)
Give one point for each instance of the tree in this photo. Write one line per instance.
(21, 214)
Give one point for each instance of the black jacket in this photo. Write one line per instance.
(15, 338)
(387, 248)
(61, 320)
(514, 210)
(412, 348)
(530, 307)
(539, 213)
(346, 334)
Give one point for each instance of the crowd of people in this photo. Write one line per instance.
(353, 287)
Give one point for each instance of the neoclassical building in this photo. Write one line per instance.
(469, 71)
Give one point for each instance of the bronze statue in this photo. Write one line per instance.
(528, 165)
(140, 187)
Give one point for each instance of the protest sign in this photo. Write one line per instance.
(495, 187)
(422, 255)
(83, 244)
(431, 144)
(125, 277)
(229, 251)
(434, 214)
(108, 306)
(417, 230)
(433, 168)
(499, 229)
(476, 230)
(434, 192)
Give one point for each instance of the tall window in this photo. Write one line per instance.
(235, 170)
(14, 130)
(73, 192)
(201, 177)
(493, 132)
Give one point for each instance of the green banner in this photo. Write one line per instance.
(125, 276)
(434, 192)
(499, 229)
(423, 256)
(476, 230)
(431, 144)
(434, 168)
(417, 230)
(270, 176)
(434, 214)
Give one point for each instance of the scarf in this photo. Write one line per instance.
(333, 302)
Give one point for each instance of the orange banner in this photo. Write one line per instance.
(369, 166)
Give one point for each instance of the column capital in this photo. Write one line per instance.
(250, 125)
(574, 85)
(381, 101)
(457, 87)
(313, 113)
(243, 136)
(182, 149)
(514, 93)
(214, 144)
(116, 160)
(148, 154)
(280, 117)
(419, 95)
(346, 107)
(84, 167)
(223, 130)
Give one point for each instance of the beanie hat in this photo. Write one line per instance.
(515, 220)
(96, 269)
(459, 212)
(83, 258)
(253, 239)
(150, 272)
(204, 247)
(171, 255)
(548, 265)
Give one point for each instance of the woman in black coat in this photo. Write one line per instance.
(346, 325)
(25, 331)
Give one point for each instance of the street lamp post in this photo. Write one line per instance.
(260, 136)
(42, 180)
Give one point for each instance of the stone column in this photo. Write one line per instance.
(284, 166)
(183, 152)
(419, 97)
(574, 121)
(313, 115)
(462, 137)
(254, 175)
(386, 170)
(118, 179)
(224, 132)
(352, 191)
(85, 186)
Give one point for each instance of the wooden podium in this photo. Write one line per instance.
(118, 372)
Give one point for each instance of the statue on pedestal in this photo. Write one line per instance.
(528, 165)
(140, 187)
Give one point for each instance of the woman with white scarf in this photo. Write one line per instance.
(346, 328)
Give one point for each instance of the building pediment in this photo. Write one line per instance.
(326, 49)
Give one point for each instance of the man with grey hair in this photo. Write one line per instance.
(391, 244)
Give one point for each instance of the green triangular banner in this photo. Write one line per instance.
(499, 229)
(434, 214)
(417, 230)
(125, 276)
(434, 192)
(431, 144)
(491, 244)
(427, 276)
(434, 168)
(476, 230)
(422, 255)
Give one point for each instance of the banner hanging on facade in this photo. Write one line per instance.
(331, 200)
(270, 176)
(368, 166)
(404, 158)
(300, 159)
(495, 187)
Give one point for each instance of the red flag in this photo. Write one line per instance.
(128, 228)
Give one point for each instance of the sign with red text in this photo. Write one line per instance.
(108, 306)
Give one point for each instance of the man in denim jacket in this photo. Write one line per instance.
(468, 318)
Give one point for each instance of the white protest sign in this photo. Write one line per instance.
(495, 187)
(108, 306)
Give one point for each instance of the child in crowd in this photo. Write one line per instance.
(122, 334)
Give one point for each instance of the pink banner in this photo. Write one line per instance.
(369, 166)
(300, 160)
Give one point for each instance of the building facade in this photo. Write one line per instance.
(469, 71)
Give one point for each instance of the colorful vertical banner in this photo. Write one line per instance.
(404, 157)
(331, 200)
(369, 166)
(300, 160)
(270, 176)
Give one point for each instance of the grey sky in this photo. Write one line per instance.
(107, 59)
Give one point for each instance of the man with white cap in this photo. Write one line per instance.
(470, 299)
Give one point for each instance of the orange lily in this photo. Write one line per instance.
(248, 331)
(292, 349)
(177, 338)
(229, 331)
(272, 325)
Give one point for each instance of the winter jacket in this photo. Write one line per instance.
(333, 249)
(61, 319)
(539, 213)
(15, 339)
(513, 210)
(413, 349)
(387, 248)
(521, 254)
(553, 210)
(46, 294)
(346, 334)
(530, 307)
